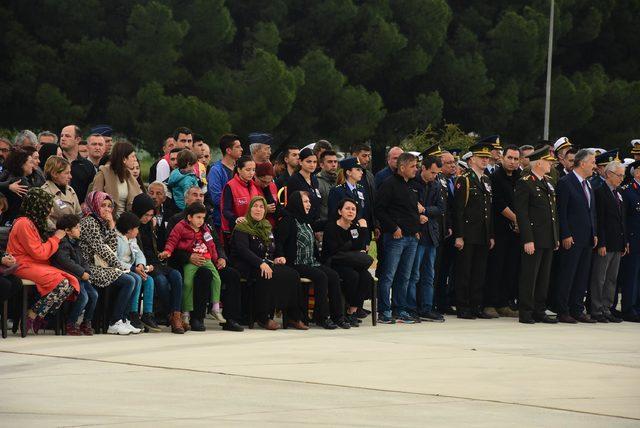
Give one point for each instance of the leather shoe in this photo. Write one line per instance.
(466, 315)
(613, 318)
(327, 324)
(298, 325)
(484, 316)
(231, 325)
(600, 318)
(584, 318)
(269, 325)
(526, 320)
(490, 312)
(197, 325)
(631, 317)
(567, 319)
(545, 319)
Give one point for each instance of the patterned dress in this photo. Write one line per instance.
(97, 240)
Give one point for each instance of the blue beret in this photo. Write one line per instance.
(349, 163)
(104, 130)
(260, 138)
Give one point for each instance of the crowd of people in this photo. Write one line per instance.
(544, 233)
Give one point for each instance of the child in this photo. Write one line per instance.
(182, 178)
(132, 259)
(69, 259)
(194, 236)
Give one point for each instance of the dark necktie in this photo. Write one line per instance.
(585, 187)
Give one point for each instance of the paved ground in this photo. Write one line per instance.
(460, 373)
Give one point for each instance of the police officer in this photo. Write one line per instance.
(351, 188)
(473, 229)
(535, 206)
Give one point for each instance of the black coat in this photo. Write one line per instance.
(397, 206)
(82, 174)
(503, 188)
(69, 258)
(611, 232)
(473, 217)
(336, 239)
(248, 252)
(535, 208)
(297, 183)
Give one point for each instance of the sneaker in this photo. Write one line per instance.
(217, 316)
(72, 329)
(383, 319)
(405, 318)
(431, 316)
(134, 320)
(362, 313)
(150, 323)
(132, 329)
(119, 327)
(343, 323)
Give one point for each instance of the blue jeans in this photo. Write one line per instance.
(421, 281)
(396, 270)
(147, 287)
(87, 299)
(124, 286)
(168, 286)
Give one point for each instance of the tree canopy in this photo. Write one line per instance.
(343, 70)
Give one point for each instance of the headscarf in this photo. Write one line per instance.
(92, 202)
(296, 209)
(36, 206)
(262, 228)
(46, 151)
(142, 204)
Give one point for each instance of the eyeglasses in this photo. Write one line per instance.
(616, 174)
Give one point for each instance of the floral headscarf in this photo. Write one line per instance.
(36, 206)
(92, 203)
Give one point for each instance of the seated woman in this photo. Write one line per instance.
(168, 281)
(58, 173)
(295, 242)
(116, 179)
(99, 246)
(275, 285)
(29, 244)
(16, 180)
(344, 248)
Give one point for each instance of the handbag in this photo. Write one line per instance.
(354, 259)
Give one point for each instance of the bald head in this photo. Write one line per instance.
(392, 157)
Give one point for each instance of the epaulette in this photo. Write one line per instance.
(624, 186)
(548, 177)
(526, 177)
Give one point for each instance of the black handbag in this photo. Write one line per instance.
(355, 259)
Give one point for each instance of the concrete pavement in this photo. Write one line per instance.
(473, 373)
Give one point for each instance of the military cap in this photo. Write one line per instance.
(466, 156)
(434, 150)
(455, 152)
(350, 163)
(493, 140)
(606, 157)
(633, 165)
(260, 138)
(543, 153)
(526, 147)
(561, 143)
(597, 150)
(104, 130)
(482, 149)
(635, 147)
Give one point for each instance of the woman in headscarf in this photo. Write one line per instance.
(276, 285)
(31, 247)
(295, 241)
(99, 245)
(47, 150)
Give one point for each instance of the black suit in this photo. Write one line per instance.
(577, 217)
(444, 293)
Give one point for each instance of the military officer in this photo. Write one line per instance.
(496, 152)
(631, 262)
(473, 230)
(560, 148)
(535, 206)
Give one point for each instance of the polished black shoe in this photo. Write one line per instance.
(466, 315)
(343, 323)
(631, 317)
(484, 316)
(526, 320)
(545, 319)
(231, 325)
(197, 324)
(449, 311)
(431, 316)
(613, 318)
(362, 313)
(353, 320)
(327, 324)
(134, 318)
(584, 318)
(567, 319)
(600, 318)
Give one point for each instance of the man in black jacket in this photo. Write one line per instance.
(82, 170)
(231, 292)
(612, 244)
(397, 210)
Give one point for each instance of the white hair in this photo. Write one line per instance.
(613, 166)
(25, 135)
(254, 147)
(160, 183)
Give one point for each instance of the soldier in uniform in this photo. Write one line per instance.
(496, 152)
(473, 229)
(602, 160)
(631, 262)
(535, 206)
(560, 148)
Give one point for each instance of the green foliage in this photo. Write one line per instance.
(343, 70)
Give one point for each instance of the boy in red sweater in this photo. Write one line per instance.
(194, 236)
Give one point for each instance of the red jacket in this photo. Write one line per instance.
(242, 194)
(183, 237)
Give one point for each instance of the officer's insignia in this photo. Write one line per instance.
(458, 185)
(550, 187)
(487, 186)
(443, 182)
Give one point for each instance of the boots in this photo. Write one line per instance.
(176, 322)
(185, 321)
(86, 328)
(72, 329)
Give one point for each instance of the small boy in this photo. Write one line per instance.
(134, 263)
(183, 178)
(194, 236)
(69, 258)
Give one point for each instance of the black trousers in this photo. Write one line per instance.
(231, 295)
(356, 284)
(326, 291)
(535, 273)
(501, 283)
(444, 296)
(281, 291)
(572, 281)
(471, 266)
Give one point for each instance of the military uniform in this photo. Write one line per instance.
(631, 262)
(473, 221)
(535, 207)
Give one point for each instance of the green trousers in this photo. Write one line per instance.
(187, 291)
